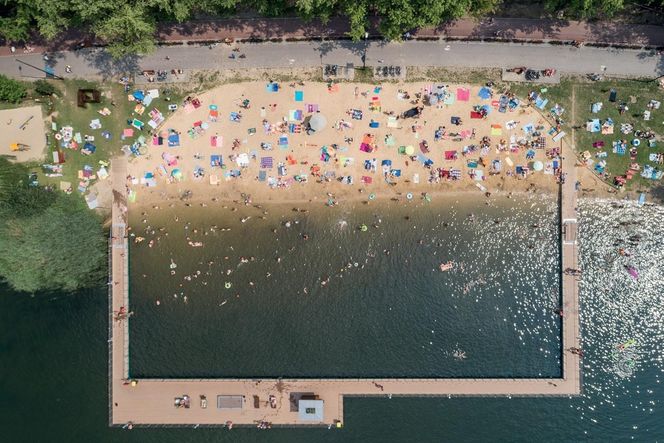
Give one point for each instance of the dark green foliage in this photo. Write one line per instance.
(42, 87)
(11, 176)
(60, 248)
(588, 9)
(24, 201)
(129, 26)
(128, 30)
(11, 91)
(48, 240)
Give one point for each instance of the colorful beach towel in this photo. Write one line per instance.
(215, 161)
(463, 94)
(216, 141)
(266, 162)
(295, 115)
(541, 102)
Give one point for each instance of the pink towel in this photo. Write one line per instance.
(216, 141)
(463, 94)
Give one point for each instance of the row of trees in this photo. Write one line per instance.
(129, 25)
(49, 240)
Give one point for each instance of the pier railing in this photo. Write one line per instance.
(110, 327)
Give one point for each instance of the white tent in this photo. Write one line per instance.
(317, 122)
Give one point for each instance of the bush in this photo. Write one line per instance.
(10, 90)
(60, 248)
(42, 87)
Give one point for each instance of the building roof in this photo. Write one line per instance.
(229, 401)
(310, 410)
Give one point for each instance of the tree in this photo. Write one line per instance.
(322, 9)
(11, 91)
(61, 248)
(42, 87)
(129, 30)
(356, 11)
(587, 9)
(399, 16)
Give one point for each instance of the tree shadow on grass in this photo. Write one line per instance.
(657, 194)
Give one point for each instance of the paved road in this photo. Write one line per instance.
(97, 63)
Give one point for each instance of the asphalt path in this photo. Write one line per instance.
(95, 63)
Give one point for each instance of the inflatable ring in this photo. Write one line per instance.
(409, 196)
(636, 142)
(227, 285)
(363, 228)
(58, 136)
(372, 196)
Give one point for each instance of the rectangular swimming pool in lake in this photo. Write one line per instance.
(311, 294)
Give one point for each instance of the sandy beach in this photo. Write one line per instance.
(252, 138)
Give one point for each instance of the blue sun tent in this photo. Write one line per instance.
(485, 93)
(173, 139)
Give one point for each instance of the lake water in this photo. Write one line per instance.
(53, 353)
(347, 302)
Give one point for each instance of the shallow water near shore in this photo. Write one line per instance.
(318, 297)
(54, 353)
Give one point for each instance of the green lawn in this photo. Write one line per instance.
(636, 95)
(585, 94)
(67, 113)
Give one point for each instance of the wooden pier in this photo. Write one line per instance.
(151, 402)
